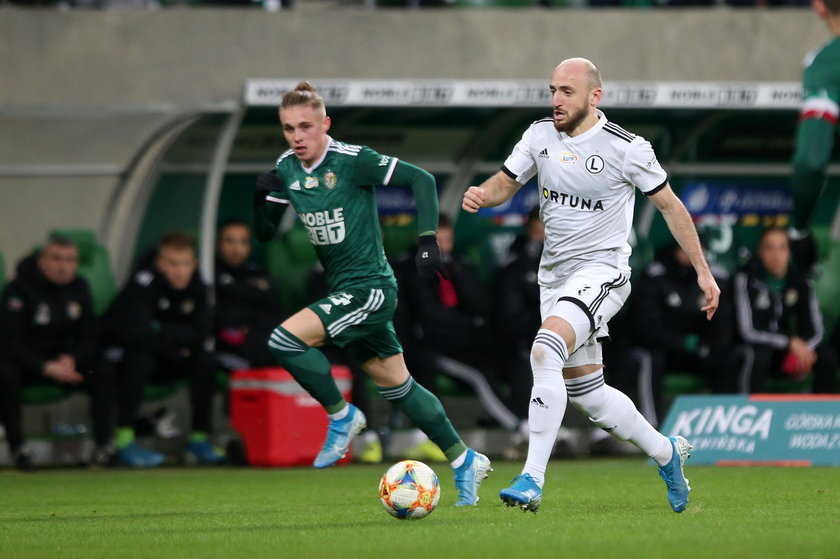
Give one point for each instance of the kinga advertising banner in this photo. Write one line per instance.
(759, 429)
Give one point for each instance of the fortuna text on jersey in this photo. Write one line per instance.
(572, 201)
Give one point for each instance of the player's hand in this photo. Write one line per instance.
(804, 355)
(711, 291)
(429, 264)
(266, 182)
(60, 371)
(473, 199)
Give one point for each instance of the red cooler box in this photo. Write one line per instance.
(280, 423)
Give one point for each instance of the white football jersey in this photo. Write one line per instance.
(587, 191)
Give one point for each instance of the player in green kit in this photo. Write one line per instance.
(815, 133)
(331, 184)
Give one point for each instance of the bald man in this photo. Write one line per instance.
(588, 169)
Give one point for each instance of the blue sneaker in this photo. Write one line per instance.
(672, 473)
(205, 452)
(524, 493)
(469, 476)
(339, 435)
(139, 457)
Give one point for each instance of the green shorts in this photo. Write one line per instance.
(361, 321)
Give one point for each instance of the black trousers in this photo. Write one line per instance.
(137, 368)
(13, 377)
(719, 369)
(254, 348)
(768, 362)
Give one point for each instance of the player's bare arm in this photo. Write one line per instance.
(494, 191)
(682, 228)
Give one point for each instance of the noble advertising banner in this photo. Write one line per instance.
(759, 429)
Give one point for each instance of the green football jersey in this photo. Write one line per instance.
(821, 83)
(336, 202)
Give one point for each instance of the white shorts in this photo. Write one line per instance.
(588, 298)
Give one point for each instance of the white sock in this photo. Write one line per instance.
(340, 414)
(548, 401)
(614, 412)
(458, 462)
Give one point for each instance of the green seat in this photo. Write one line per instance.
(477, 237)
(677, 383)
(94, 266)
(828, 284)
(398, 238)
(42, 394)
(289, 262)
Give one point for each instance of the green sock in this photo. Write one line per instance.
(124, 437)
(427, 413)
(198, 437)
(311, 370)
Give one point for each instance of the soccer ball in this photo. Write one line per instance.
(409, 490)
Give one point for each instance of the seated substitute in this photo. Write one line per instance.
(779, 318)
(676, 334)
(450, 319)
(159, 329)
(517, 312)
(246, 311)
(48, 334)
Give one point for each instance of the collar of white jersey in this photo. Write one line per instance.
(330, 143)
(602, 120)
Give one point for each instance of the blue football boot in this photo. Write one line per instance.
(339, 435)
(468, 477)
(205, 453)
(138, 457)
(524, 493)
(672, 473)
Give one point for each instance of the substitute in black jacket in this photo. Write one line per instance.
(48, 333)
(159, 328)
(517, 311)
(779, 318)
(246, 311)
(450, 319)
(666, 321)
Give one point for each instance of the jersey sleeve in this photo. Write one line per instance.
(279, 196)
(373, 168)
(642, 169)
(821, 88)
(520, 164)
(815, 133)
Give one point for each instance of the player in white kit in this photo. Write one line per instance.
(588, 169)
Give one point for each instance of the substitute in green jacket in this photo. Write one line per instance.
(816, 132)
(331, 184)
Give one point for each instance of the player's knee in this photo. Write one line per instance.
(283, 344)
(575, 322)
(537, 356)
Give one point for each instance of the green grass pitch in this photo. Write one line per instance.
(591, 509)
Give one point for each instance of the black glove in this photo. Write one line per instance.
(266, 182)
(429, 265)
